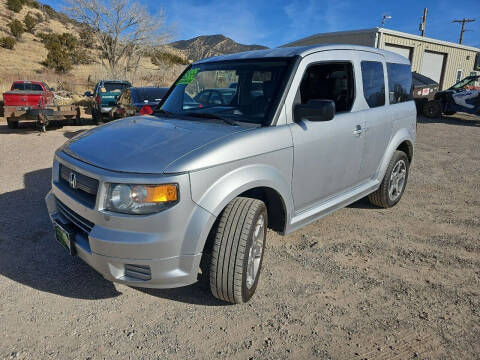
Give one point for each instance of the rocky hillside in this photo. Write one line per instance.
(211, 45)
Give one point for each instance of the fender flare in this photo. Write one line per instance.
(400, 136)
(237, 181)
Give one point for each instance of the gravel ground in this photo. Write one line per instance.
(362, 283)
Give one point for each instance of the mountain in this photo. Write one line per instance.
(211, 45)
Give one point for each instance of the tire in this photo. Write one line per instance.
(98, 117)
(432, 109)
(384, 197)
(12, 124)
(233, 278)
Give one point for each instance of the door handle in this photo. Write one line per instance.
(358, 130)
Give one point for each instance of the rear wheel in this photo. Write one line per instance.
(394, 182)
(432, 109)
(98, 117)
(12, 124)
(238, 249)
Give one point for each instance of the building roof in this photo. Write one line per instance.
(288, 52)
(390, 32)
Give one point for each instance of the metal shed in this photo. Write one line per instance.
(443, 61)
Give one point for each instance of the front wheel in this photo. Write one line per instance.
(238, 249)
(12, 124)
(432, 109)
(394, 182)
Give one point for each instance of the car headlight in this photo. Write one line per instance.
(141, 199)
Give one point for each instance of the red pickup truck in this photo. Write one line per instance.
(34, 100)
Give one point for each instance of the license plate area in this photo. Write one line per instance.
(65, 236)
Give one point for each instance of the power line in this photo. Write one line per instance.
(463, 21)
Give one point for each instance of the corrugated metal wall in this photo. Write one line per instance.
(456, 57)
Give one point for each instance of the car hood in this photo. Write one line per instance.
(144, 144)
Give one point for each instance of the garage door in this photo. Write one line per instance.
(400, 50)
(432, 65)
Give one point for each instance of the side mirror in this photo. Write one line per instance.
(314, 110)
(88, 93)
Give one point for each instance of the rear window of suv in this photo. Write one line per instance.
(399, 82)
(373, 83)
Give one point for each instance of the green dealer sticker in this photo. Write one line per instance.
(189, 76)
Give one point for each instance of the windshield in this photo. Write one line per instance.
(241, 91)
(149, 94)
(115, 87)
(468, 81)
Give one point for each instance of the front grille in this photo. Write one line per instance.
(138, 272)
(85, 189)
(80, 223)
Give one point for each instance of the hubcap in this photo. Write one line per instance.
(256, 250)
(397, 180)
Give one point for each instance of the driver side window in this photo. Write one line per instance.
(329, 81)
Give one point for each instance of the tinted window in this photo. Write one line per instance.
(36, 87)
(149, 94)
(399, 82)
(19, 86)
(373, 83)
(329, 82)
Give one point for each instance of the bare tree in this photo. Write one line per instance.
(124, 30)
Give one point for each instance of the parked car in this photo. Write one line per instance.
(213, 97)
(105, 96)
(34, 100)
(461, 97)
(138, 101)
(143, 199)
(424, 90)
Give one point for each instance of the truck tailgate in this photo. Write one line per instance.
(24, 98)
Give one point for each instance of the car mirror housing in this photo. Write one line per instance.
(314, 110)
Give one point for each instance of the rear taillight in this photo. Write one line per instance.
(146, 110)
(98, 100)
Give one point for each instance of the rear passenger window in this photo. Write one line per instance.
(19, 86)
(399, 83)
(36, 87)
(329, 81)
(373, 83)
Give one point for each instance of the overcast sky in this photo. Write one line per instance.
(275, 22)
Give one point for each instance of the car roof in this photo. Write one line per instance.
(302, 51)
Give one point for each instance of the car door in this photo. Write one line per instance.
(327, 155)
(378, 121)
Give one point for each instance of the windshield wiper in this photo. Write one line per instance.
(164, 112)
(211, 116)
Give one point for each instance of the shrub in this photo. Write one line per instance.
(8, 42)
(63, 52)
(16, 28)
(29, 23)
(15, 5)
(160, 57)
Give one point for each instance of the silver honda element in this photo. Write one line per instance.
(241, 143)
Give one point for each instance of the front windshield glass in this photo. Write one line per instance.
(240, 91)
(465, 83)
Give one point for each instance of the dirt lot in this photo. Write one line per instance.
(363, 283)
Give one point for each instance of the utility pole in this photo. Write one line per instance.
(423, 24)
(463, 21)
